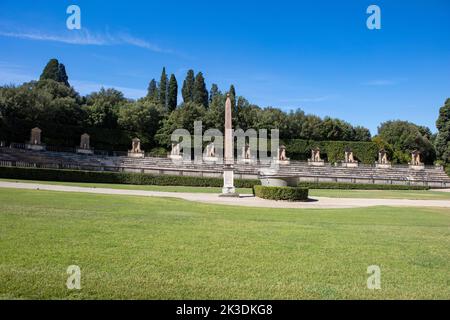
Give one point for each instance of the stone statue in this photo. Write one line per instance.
(415, 158)
(315, 155)
(85, 147)
(35, 136)
(85, 142)
(35, 141)
(136, 151)
(282, 153)
(211, 150)
(175, 149)
(349, 156)
(382, 157)
(246, 154)
(136, 145)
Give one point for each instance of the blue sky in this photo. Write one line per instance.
(315, 55)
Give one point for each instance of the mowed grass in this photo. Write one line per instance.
(154, 248)
(370, 194)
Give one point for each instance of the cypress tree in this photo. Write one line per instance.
(163, 88)
(152, 91)
(200, 94)
(173, 93)
(214, 92)
(232, 93)
(188, 87)
(55, 71)
(62, 75)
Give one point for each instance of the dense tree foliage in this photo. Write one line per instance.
(442, 142)
(112, 120)
(172, 95)
(188, 87)
(55, 71)
(405, 137)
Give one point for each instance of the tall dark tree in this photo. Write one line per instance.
(200, 94)
(55, 71)
(442, 143)
(232, 93)
(62, 75)
(163, 88)
(172, 95)
(152, 91)
(188, 87)
(214, 92)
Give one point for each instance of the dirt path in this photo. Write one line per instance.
(244, 200)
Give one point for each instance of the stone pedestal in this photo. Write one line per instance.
(417, 166)
(350, 164)
(210, 159)
(383, 165)
(35, 147)
(176, 157)
(246, 161)
(320, 163)
(132, 154)
(85, 151)
(282, 162)
(228, 189)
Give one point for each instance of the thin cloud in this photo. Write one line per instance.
(306, 99)
(85, 37)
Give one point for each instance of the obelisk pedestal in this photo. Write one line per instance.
(228, 189)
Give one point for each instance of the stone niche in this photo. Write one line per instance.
(35, 140)
(281, 156)
(383, 161)
(315, 158)
(85, 147)
(416, 163)
(136, 151)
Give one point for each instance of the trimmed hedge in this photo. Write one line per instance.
(333, 151)
(281, 193)
(357, 186)
(117, 178)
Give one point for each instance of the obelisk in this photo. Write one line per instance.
(228, 189)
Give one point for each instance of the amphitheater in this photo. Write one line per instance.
(431, 176)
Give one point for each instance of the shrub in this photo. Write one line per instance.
(357, 186)
(281, 193)
(117, 177)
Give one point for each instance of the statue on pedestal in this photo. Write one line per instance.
(35, 140)
(85, 147)
(315, 158)
(136, 151)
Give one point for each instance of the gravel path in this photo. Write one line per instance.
(244, 200)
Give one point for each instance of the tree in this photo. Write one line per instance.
(406, 137)
(62, 75)
(188, 87)
(102, 108)
(55, 71)
(142, 119)
(163, 88)
(442, 142)
(152, 91)
(213, 92)
(172, 94)
(232, 94)
(200, 94)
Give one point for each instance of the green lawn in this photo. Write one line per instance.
(374, 194)
(140, 247)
